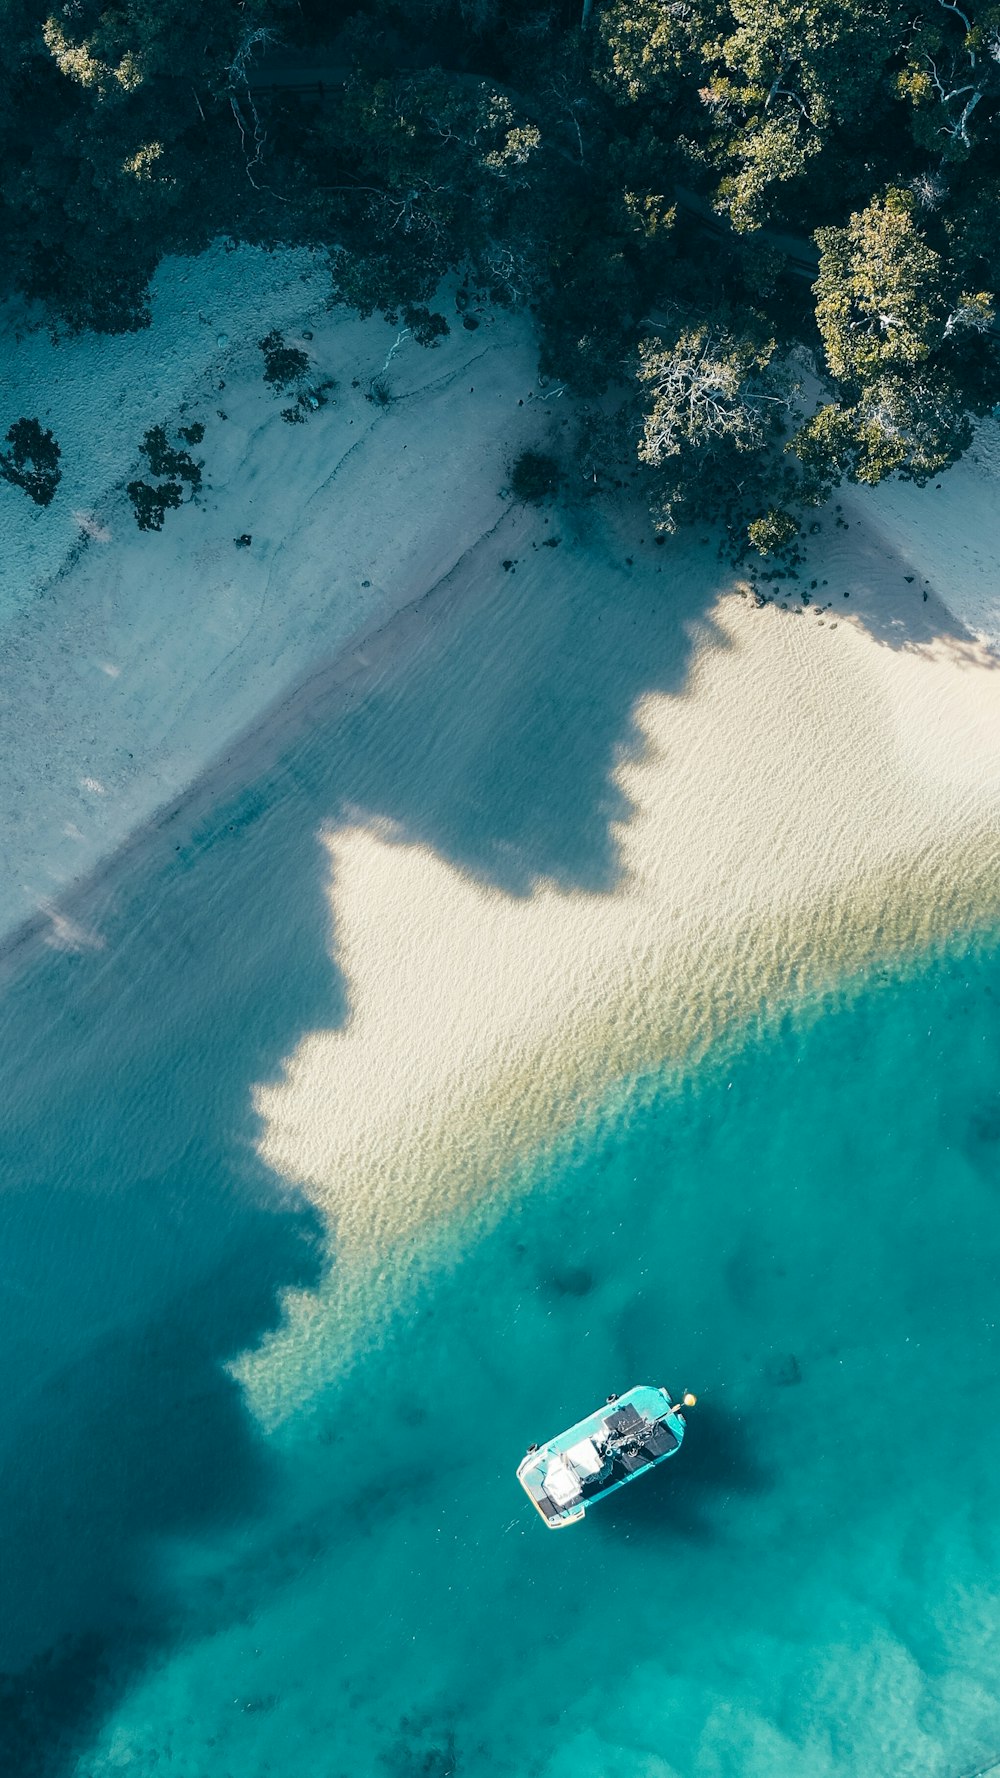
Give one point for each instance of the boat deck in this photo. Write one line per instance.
(645, 1429)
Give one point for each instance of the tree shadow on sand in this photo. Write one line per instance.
(897, 605)
(144, 1242)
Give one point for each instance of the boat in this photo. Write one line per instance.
(629, 1435)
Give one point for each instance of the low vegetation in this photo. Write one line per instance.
(31, 460)
(534, 476)
(175, 470)
(283, 365)
(701, 203)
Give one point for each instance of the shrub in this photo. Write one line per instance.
(164, 460)
(533, 476)
(772, 533)
(282, 364)
(32, 445)
(151, 501)
(150, 504)
(427, 327)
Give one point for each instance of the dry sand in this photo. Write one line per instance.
(813, 793)
(948, 531)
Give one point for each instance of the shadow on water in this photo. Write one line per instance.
(143, 1243)
(687, 1496)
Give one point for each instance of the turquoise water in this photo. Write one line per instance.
(806, 1234)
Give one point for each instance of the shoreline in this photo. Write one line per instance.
(387, 634)
(150, 656)
(158, 662)
(248, 755)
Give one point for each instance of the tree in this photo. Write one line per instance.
(151, 501)
(774, 532)
(914, 426)
(534, 475)
(908, 347)
(714, 398)
(120, 145)
(951, 76)
(885, 300)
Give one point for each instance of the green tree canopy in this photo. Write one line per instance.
(801, 176)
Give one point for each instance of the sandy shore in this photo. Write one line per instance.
(146, 657)
(948, 531)
(789, 799)
(595, 809)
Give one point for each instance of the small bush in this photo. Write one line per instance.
(282, 364)
(534, 476)
(379, 392)
(192, 435)
(772, 533)
(152, 501)
(150, 504)
(32, 463)
(427, 327)
(164, 460)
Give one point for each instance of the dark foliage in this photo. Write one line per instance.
(640, 176)
(32, 461)
(151, 501)
(164, 460)
(534, 476)
(426, 327)
(282, 364)
(151, 504)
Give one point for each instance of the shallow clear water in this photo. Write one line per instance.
(803, 1230)
(805, 1233)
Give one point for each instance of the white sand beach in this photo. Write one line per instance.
(816, 793)
(788, 794)
(948, 531)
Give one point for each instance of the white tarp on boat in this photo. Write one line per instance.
(561, 1484)
(585, 1458)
